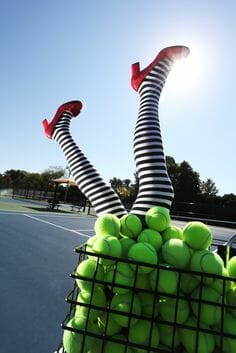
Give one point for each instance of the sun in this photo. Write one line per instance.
(186, 73)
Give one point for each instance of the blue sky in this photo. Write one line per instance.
(55, 51)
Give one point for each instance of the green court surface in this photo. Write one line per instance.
(6, 206)
(26, 206)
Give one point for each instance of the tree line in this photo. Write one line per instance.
(21, 179)
(192, 195)
(186, 182)
(188, 187)
(40, 185)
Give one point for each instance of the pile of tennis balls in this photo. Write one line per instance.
(141, 289)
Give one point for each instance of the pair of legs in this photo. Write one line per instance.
(155, 188)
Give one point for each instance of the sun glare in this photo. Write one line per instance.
(186, 73)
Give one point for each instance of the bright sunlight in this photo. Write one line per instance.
(186, 73)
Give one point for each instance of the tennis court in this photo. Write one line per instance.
(36, 258)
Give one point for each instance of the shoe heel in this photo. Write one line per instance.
(47, 131)
(135, 69)
(173, 53)
(45, 124)
(73, 107)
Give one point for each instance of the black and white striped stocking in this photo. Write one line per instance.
(155, 188)
(102, 197)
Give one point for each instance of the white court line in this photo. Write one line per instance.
(83, 230)
(56, 225)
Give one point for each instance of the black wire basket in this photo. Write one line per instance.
(171, 324)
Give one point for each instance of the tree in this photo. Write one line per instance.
(208, 188)
(32, 181)
(48, 175)
(134, 187)
(121, 187)
(173, 170)
(125, 190)
(229, 199)
(126, 183)
(188, 183)
(5, 181)
(116, 183)
(16, 177)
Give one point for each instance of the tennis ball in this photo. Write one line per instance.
(152, 237)
(107, 224)
(119, 274)
(107, 325)
(97, 346)
(231, 300)
(89, 245)
(115, 347)
(231, 266)
(207, 262)
(90, 242)
(127, 303)
(92, 271)
(107, 245)
(175, 252)
(210, 313)
(142, 252)
(229, 327)
(168, 307)
(149, 304)
(169, 335)
(126, 243)
(142, 281)
(189, 336)
(166, 281)
(130, 225)
(158, 218)
(145, 333)
(94, 297)
(74, 342)
(172, 232)
(197, 235)
(188, 283)
(222, 284)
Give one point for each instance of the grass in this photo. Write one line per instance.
(9, 204)
(18, 207)
(26, 207)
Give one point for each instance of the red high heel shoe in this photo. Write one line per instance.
(175, 52)
(74, 107)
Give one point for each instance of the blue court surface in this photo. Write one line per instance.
(36, 258)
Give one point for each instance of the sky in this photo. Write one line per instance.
(55, 51)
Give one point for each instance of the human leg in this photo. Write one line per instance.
(102, 197)
(155, 188)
